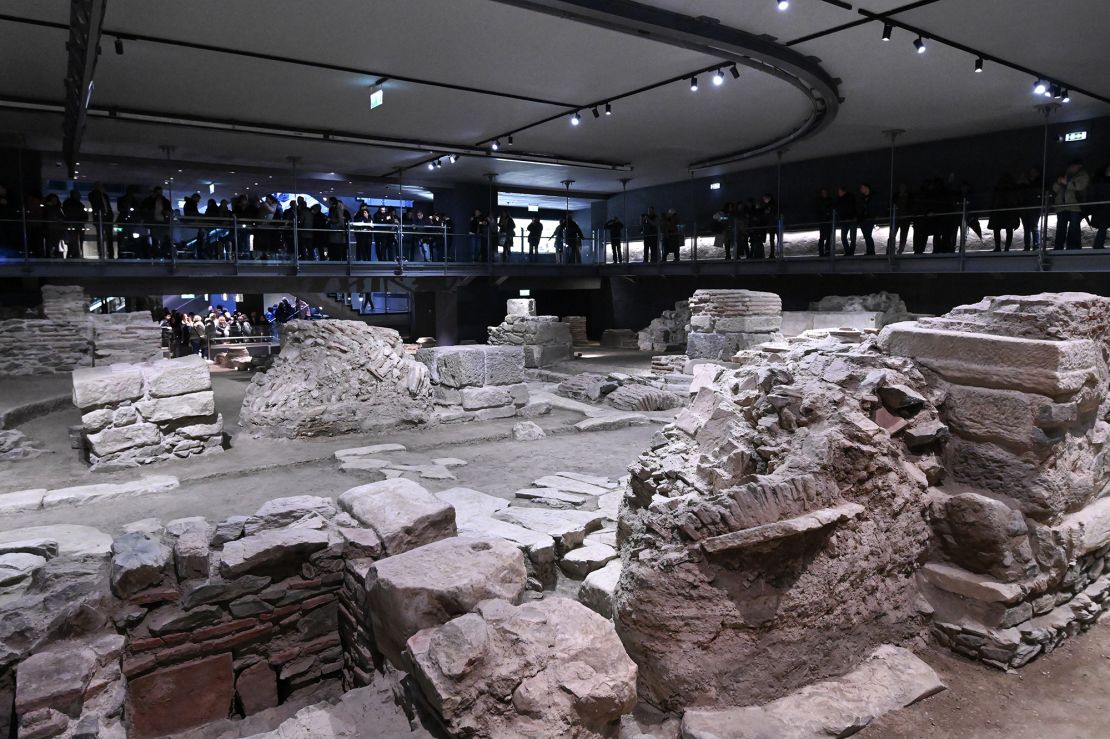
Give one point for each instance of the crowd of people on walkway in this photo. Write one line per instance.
(144, 225)
(189, 332)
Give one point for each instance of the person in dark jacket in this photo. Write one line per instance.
(570, 234)
(479, 234)
(101, 206)
(824, 208)
(1004, 214)
(1098, 210)
(615, 227)
(190, 216)
(76, 217)
(649, 227)
(157, 214)
(54, 219)
(865, 218)
(903, 215)
(846, 214)
(535, 233)
(506, 232)
(770, 210)
(362, 217)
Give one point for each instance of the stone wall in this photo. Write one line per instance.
(135, 414)
(723, 322)
(337, 377)
(1021, 531)
(545, 339)
(67, 336)
(171, 627)
(476, 382)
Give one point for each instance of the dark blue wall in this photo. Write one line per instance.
(979, 160)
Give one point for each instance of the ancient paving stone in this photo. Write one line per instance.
(600, 587)
(276, 551)
(401, 512)
(538, 548)
(43, 547)
(469, 503)
(178, 376)
(552, 498)
(570, 485)
(280, 512)
(611, 423)
(138, 561)
(572, 675)
(580, 562)
(154, 704)
(84, 494)
(22, 501)
(73, 541)
(15, 567)
(367, 451)
(568, 528)
(889, 679)
(432, 584)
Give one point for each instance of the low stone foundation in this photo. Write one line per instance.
(136, 414)
(476, 382)
(668, 332)
(723, 322)
(544, 339)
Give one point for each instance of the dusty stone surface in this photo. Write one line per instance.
(723, 322)
(137, 414)
(429, 585)
(402, 513)
(548, 669)
(599, 588)
(890, 678)
(668, 332)
(780, 443)
(337, 377)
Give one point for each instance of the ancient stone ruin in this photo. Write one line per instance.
(722, 322)
(136, 414)
(477, 382)
(668, 332)
(872, 311)
(337, 377)
(67, 336)
(1021, 530)
(545, 339)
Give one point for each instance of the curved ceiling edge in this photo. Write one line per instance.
(727, 43)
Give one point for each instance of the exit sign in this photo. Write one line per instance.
(1075, 136)
(377, 96)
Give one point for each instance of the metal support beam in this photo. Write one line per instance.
(731, 45)
(86, 17)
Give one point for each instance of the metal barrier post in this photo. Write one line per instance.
(296, 240)
(347, 229)
(782, 230)
(892, 236)
(963, 233)
(831, 248)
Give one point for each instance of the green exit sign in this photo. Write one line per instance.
(377, 96)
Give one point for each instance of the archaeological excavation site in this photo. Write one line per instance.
(739, 522)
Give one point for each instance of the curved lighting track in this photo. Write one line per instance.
(708, 37)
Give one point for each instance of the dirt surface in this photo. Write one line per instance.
(1062, 695)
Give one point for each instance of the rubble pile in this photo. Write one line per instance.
(337, 377)
(668, 332)
(723, 322)
(625, 392)
(136, 414)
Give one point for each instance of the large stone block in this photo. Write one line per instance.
(160, 410)
(116, 439)
(520, 307)
(504, 365)
(571, 674)
(401, 512)
(430, 585)
(138, 562)
(55, 678)
(180, 697)
(278, 552)
(111, 385)
(1052, 368)
(178, 376)
(493, 396)
(708, 346)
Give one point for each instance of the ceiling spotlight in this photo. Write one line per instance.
(575, 119)
(718, 78)
(431, 165)
(608, 109)
(1057, 93)
(454, 158)
(919, 44)
(693, 84)
(509, 141)
(1039, 87)
(496, 144)
(119, 46)
(596, 112)
(1066, 97)
(979, 65)
(735, 71)
(887, 30)
(783, 4)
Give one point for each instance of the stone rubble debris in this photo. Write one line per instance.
(668, 332)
